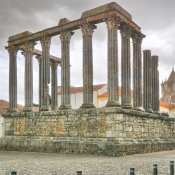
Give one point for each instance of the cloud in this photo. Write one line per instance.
(156, 18)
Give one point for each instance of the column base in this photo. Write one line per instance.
(87, 106)
(126, 106)
(112, 104)
(165, 114)
(65, 107)
(11, 110)
(139, 109)
(157, 112)
(55, 108)
(28, 109)
(149, 110)
(44, 108)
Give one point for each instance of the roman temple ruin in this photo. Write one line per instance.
(117, 129)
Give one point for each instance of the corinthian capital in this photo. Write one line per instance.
(125, 30)
(112, 22)
(12, 50)
(137, 37)
(53, 64)
(87, 28)
(39, 58)
(29, 46)
(66, 35)
(45, 41)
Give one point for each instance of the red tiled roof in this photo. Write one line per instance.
(4, 105)
(119, 92)
(80, 89)
(163, 104)
(166, 105)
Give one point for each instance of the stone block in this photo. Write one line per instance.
(106, 8)
(120, 127)
(110, 134)
(128, 129)
(20, 35)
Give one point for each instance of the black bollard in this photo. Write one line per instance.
(154, 169)
(171, 167)
(13, 173)
(132, 171)
(79, 172)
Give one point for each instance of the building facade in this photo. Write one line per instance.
(168, 89)
(168, 94)
(100, 98)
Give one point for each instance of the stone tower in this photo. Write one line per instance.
(168, 89)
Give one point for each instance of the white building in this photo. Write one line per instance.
(100, 96)
(77, 95)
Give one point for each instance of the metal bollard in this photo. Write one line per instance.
(13, 173)
(132, 171)
(171, 167)
(79, 172)
(154, 169)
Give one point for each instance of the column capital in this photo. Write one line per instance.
(13, 50)
(53, 64)
(112, 22)
(66, 35)
(125, 30)
(29, 46)
(23, 53)
(39, 58)
(45, 41)
(137, 37)
(87, 28)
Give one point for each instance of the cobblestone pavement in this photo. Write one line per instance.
(26, 163)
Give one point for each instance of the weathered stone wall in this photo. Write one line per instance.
(96, 131)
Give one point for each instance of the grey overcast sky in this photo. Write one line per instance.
(155, 17)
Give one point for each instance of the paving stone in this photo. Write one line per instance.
(30, 163)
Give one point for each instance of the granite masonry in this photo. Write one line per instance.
(117, 129)
(102, 131)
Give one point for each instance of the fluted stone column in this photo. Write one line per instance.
(87, 31)
(28, 53)
(45, 72)
(112, 25)
(126, 67)
(65, 37)
(39, 58)
(137, 70)
(12, 78)
(155, 84)
(54, 89)
(147, 81)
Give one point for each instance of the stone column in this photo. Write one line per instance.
(65, 37)
(147, 83)
(12, 78)
(39, 58)
(54, 89)
(28, 53)
(45, 72)
(126, 67)
(155, 84)
(137, 70)
(87, 31)
(112, 25)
